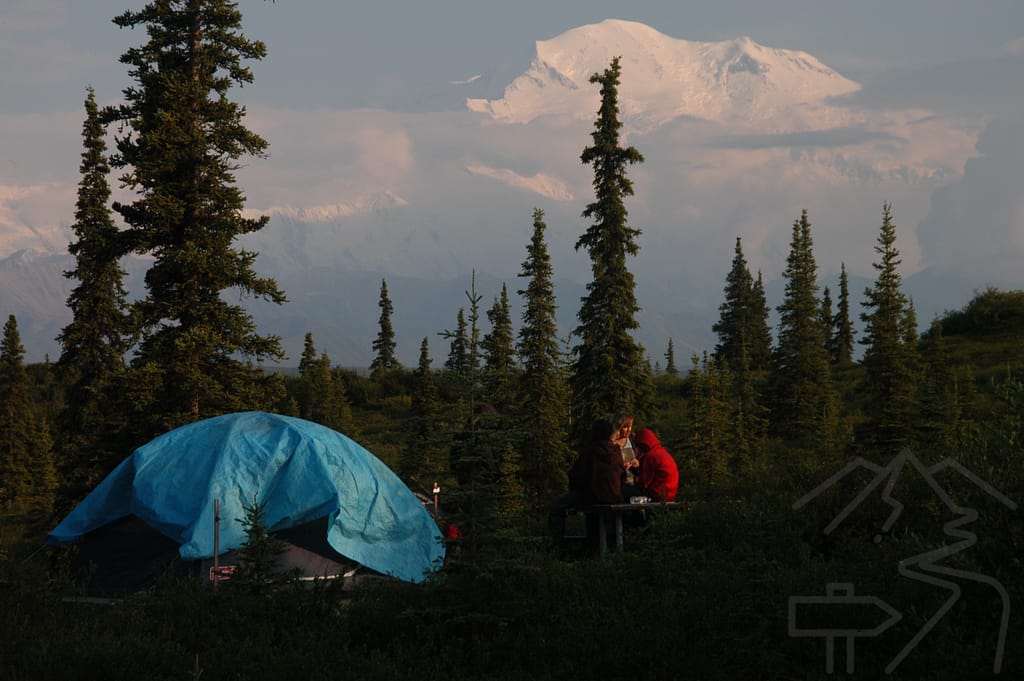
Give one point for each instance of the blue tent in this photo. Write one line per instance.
(300, 471)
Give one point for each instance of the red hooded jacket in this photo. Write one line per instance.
(658, 473)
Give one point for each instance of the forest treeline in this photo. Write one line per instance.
(495, 418)
(793, 396)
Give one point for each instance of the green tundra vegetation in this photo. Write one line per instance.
(810, 472)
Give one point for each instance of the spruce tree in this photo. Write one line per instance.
(499, 373)
(889, 359)
(308, 366)
(475, 453)
(93, 344)
(321, 391)
(16, 420)
(609, 371)
(750, 419)
(180, 142)
(458, 350)
(670, 360)
(425, 395)
(712, 431)
(842, 343)
(740, 316)
(309, 354)
(910, 335)
(42, 469)
(384, 345)
(803, 407)
(759, 354)
(543, 399)
(827, 321)
(424, 451)
(259, 557)
(513, 503)
(339, 414)
(743, 353)
(940, 410)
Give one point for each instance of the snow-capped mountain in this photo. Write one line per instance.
(737, 137)
(32, 219)
(738, 82)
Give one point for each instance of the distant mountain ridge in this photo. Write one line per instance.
(340, 308)
(737, 137)
(736, 81)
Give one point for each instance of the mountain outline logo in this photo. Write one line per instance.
(923, 567)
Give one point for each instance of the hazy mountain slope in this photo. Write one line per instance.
(737, 139)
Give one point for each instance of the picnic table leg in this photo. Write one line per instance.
(602, 539)
(618, 533)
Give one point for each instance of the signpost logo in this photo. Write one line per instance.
(924, 567)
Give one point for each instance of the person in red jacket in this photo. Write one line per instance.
(657, 475)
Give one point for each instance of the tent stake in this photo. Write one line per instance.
(216, 542)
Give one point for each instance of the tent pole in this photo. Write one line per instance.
(216, 542)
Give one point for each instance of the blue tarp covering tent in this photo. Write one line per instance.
(298, 470)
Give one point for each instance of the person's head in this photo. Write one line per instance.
(601, 430)
(644, 441)
(622, 424)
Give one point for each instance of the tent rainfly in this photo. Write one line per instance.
(331, 500)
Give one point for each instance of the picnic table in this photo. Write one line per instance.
(610, 515)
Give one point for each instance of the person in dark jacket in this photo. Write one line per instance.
(595, 478)
(657, 476)
(606, 468)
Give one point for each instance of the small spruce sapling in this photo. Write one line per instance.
(258, 556)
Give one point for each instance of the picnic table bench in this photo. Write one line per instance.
(610, 515)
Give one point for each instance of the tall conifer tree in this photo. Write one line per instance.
(424, 451)
(743, 351)
(458, 350)
(609, 371)
(670, 360)
(760, 351)
(309, 354)
(803, 408)
(181, 143)
(543, 402)
(42, 468)
(16, 419)
(739, 313)
(499, 374)
(940, 409)
(712, 428)
(384, 345)
(827, 324)
(339, 415)
(842, 343)
(890, 356)
(93, 344)
(321, 390)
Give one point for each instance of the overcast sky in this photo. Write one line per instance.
(952, 57)
(324, 52)
(363, 99)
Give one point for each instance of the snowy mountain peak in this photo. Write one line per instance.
(736, 81)
(381, 202)
(26, 257)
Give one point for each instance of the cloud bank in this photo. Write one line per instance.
(976, 225)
